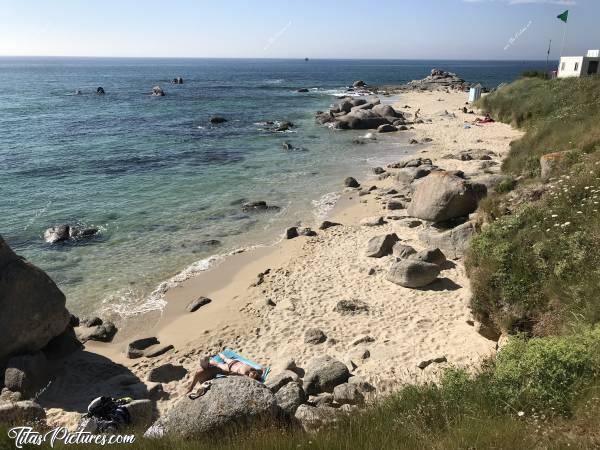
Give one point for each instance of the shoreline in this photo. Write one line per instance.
(307, 276)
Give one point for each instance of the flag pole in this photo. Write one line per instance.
(548, 58)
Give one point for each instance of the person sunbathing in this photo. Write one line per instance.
(210, 368)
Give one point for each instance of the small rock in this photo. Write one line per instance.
(348, 394)
(351, 307)
(386, 128)
(380, 246)
(196, 304)
(158, 350)
(372, 221)
(351, 182)
(327, 224)
(324, 398)
(314, 336)
(378, 170)
(403, 251)
(363, 340)
(291, 233)
(423, 364)
(302, 90)
(278, 380)
(394, 205)
(167, 373)
(136, 348)
(157, 91)
(323, 374)
(364, 386)
(218, 119)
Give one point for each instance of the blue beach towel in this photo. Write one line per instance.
(233, 355)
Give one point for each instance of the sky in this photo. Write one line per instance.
(395, 29)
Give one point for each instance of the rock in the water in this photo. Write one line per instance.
(93, 321)
(312, 418)
(32, 308)
(351, 307)
(177, 80)
(167, 373)
(378, 170)
(258, 206)
(26, 373)
(314, 336)
(302, 90)
(359, 83)
(412, 273)
(136, 348)
(441, 196)
(351, 182)
(327, 224)
(430, 255)
(278, 380)
(218, 119)
(196, 304)
(380, 246)
(386, 128)
(305, 231)
(403, 251)
(323, 374)
(372, 221)
(291, 233)
(290, 397)
(229, 402)
(348, 394)
(100, 91)
(58, 233)
(157, 91)
(22, 413)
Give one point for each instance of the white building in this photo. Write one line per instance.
(578, 66)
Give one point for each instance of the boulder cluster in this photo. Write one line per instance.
(314, 396)
(360, 113)
(438, 80)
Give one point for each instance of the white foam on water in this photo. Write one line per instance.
(325, 204)
(128, 303)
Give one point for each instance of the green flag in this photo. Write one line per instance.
(564, 16)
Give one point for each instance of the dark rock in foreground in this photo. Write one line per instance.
(32, 308)
(229, 402)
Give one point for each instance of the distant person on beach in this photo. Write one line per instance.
(209, 369)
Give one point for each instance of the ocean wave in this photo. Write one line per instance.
(128, 303)
(325, 204)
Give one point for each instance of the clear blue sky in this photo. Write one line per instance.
(422, 29)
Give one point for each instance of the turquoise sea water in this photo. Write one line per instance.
(164, 185)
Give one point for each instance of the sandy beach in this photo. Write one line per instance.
(304, 279)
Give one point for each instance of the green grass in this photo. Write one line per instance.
(557, 115)
(536, 269)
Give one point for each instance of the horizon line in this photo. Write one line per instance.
(273, 58)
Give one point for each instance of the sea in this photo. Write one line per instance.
(162, 184)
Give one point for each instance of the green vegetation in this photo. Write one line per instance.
(535, 269)
(535, 74)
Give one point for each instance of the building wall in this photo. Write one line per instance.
(570, 66)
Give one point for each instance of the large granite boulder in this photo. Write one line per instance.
(32, 308)
(441, 196)
(454, 242)
(229, 402)
(290, 397)
(413, 273)
(323, 374)
(312, 418)
(21, 413)
(380, 246)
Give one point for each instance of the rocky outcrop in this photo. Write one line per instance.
(157, 91)
(259, 206)
(32, 308)
(438, 80)
(22, 413)
(362, 113)
(177, 80)
(65, 232)
(441, 196)
(229, 402)
(96, 330)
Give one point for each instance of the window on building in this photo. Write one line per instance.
(576, 66)
(562, 67)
